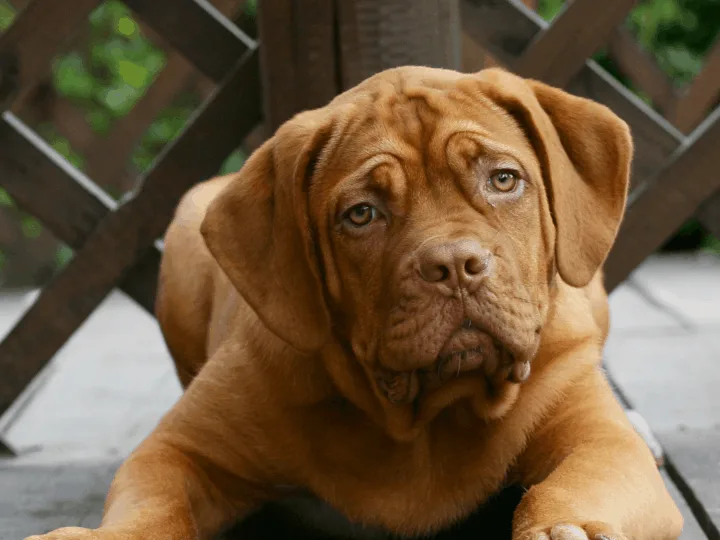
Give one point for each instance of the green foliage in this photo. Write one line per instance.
(119, 64)
(7, 14)
(548, 9)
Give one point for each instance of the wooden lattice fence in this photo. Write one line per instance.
(311, 50)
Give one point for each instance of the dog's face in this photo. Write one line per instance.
(434, 236)
(421, 219)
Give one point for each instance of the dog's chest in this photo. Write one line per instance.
(407, 487)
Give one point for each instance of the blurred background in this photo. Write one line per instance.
(102, 108)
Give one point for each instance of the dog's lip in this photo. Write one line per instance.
(468, 337)
(467, 349)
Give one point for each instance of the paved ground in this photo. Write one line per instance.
(111, 383)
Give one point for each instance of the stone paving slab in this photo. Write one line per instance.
(695, 453)
(688, 286)
(37, 498)
(107, 388)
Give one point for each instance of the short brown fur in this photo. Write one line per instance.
(309, 345)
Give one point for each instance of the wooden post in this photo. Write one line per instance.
(381, 34)
(297, 56)
(313, 49)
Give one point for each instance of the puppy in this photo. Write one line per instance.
(397, 307)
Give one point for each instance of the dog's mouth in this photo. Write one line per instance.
(470, 350)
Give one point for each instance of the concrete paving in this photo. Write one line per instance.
(108, 387)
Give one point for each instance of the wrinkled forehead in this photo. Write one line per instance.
(412, 114)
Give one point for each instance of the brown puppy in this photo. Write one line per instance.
(399, 309)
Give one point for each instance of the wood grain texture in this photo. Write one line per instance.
(561, 51)
(701, 94)
(380, 34)
(641, 69)
(300, 66)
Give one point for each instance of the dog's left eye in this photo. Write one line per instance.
(361, 215)
(504, 181)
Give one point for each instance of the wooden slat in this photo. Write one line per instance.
(107, 159)
(473, 57)
(380, 34)
(275, 28)
(575, 35)
(45, 185)
(703, 92)
(665, 203)
(506, 28)
(314, 44)
(46, 105)
(35, 38)
(297, 55)
(198, 31)
(127, 234)
(641, 69)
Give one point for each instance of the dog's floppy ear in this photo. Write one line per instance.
(258, 230)
(585, 151)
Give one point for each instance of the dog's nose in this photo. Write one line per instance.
(454, 264)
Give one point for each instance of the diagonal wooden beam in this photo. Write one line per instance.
(20, 354)
(641, 69)
(661, 206)
(505, 28)
(45, 185)
(126, 234)
(582, 28)
(700, 95)
(198, 31)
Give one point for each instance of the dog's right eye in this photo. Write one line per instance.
(361, 215)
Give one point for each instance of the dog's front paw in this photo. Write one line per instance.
(78, 533)
(593, 530)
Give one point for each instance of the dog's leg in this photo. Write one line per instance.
(592, 476)
(190, 478)
(161, 493)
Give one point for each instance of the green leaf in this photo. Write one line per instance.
(7, 15)
(120, 99)
(5, 198)
(62, 146)
(72, 78)
(548, 9)
(63, 255)
(126, 26)
(31, 227)
(99, 120)
(233, 163)
(133, 74)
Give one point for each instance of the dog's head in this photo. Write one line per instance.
(421, 219)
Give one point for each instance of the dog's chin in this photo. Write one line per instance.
(468, 351)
